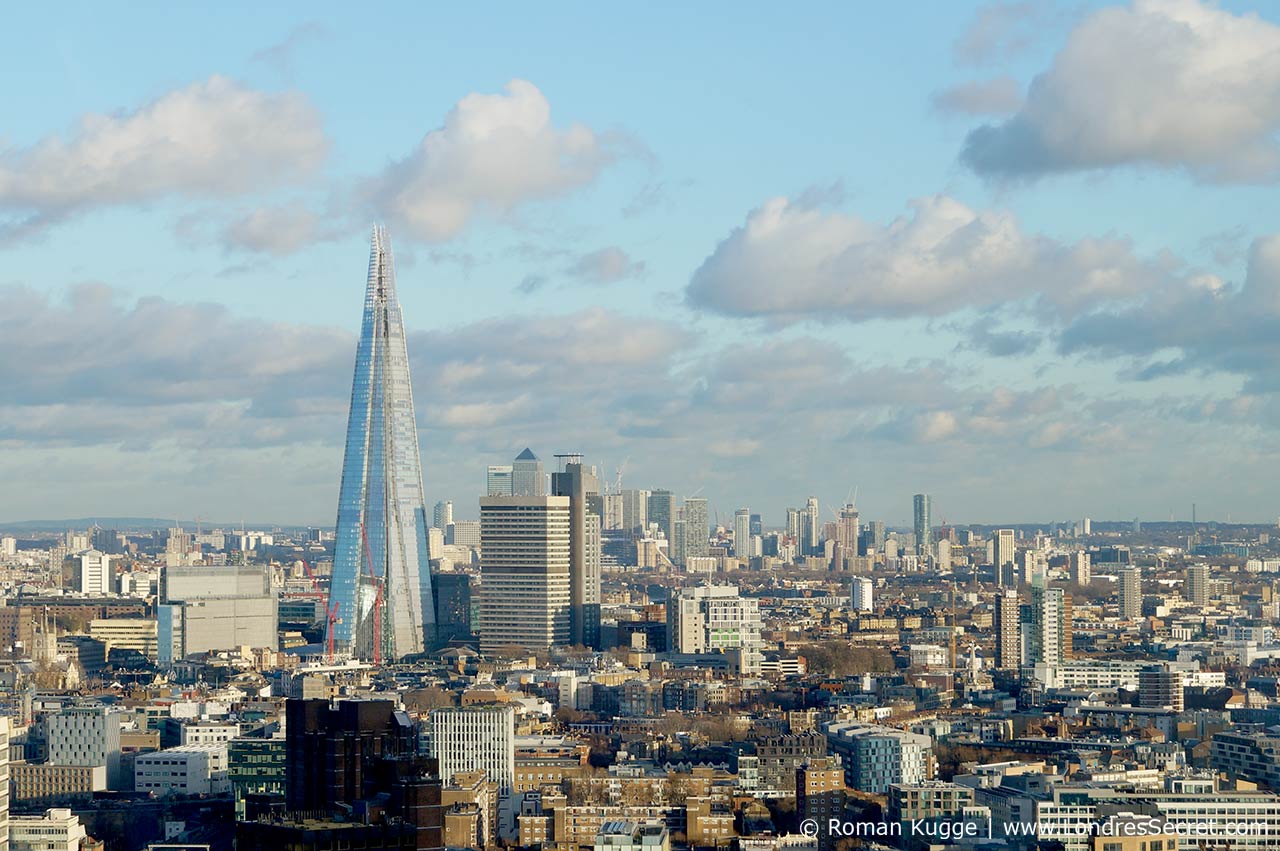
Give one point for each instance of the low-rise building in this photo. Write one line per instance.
(184, 770)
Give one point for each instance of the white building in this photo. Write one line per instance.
(95, 573)
(184, 770)
(8, 546)
(862, 596)
(86, 736)
(203, 733)
(476, 738)
(214, 608)
(56, 830)
(715, 619)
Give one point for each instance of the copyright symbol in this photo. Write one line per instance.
(809, 827)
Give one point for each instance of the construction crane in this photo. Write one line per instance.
(378, 598)
(617, 481)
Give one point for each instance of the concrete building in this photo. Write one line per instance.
(255, 767)
(581, 484)
(1197, 585)
(742, 533)
(215, 608)
(475, 738)
(527, 476)
(525, 593)
(86, 736)
(46, 782)
(95, 573)
(498, 480)
(129, 634)
(184, 770)
(1129, 593)
(862, 596)
(1004, 548)
(1008, 628)
(715, 619)
(56, 830)
(1160, 687)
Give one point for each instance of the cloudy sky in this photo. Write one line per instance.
(1023, 256)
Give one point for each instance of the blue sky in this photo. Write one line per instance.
(757, 251)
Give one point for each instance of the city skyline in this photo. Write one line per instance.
(876, 263)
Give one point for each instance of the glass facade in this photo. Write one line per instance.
(381, 581)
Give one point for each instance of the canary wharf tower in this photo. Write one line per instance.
(380, 601)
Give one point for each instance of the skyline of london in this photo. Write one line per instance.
(1028, 319)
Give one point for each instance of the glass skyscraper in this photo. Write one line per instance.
(380, 597)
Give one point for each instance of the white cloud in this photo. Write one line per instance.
(997, 96)
(214, 138)
(793, 261)
(606, 266)
(281, 229)
(1163, 83)
(1000, 31)
(493, 153)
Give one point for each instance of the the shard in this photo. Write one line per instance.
(380, 597)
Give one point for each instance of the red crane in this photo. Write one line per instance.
(377, 600)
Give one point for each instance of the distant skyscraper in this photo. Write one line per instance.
(635, 509)
(847, 529)
(662, 511)
(812, 540)
(1080, 569)
(1008, 627)
(923, 524)
(742, 533)
(1129, 592)
(527, 475)
(1198, 585)
(525, 593)
(1087, 526)
(1004, 548)
(581, 484)
(757, 525)
(697, 529)
(442, 515)
(499, 480)
(381, 585)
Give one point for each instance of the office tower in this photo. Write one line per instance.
(635, 510)
(1160, 688)
(499, 479)
(1198, 584)
(463, 533)
(1004, 548)
(442, 515)
(923, 527)
(611, 519)
(380, 590)
(742, 533)
(757, 525)
(1081, 569)
(1049, 641)
(861, 597)
(810, 542)
(581, 485)
(715, 619)
(453, 607)
(1087, 526)
(476, 738)
(95, 573)
(662, 512)
(697, 529)
(847, 529)
(524, 572)
(1008, 628)
(527, 475)
(1129, 593)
